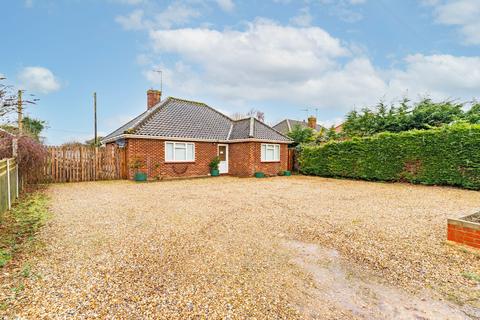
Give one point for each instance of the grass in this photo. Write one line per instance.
(19, 226)
(471, 276)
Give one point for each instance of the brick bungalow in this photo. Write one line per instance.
(179, 138)
(287, 125)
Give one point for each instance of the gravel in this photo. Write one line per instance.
(215, 248)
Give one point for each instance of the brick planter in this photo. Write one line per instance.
(465, 230)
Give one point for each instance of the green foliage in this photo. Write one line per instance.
(301, 134)
(473, 115)
(471, 276)
(214, 163)
(33, 126)
(423, 115)
(443, 156)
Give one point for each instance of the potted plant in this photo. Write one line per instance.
(214, 167)
(138, 176)
(259, 174)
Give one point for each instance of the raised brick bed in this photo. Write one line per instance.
(465, 230)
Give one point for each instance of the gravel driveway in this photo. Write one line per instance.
(285, 247)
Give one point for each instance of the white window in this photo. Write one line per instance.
(270, 152)
(179, 152)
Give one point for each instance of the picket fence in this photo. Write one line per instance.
(9, 183)
(82, 163)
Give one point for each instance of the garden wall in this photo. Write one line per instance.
(444, 156)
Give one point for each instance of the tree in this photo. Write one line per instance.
(425, 114)
(252, 113)
(473, 115)
(301, 134)
(34, 127)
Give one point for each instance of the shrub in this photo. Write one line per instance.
(444, 156)
(31, 156)
(214, 163)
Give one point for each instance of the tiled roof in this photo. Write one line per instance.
(285, 126)
(177, 118)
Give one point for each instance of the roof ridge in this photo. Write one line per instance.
(252, 127)
(270, 127)
(205, 105)
(147, 114)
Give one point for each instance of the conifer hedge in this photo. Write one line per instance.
(445, 156)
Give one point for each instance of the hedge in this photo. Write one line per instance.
(446, 156)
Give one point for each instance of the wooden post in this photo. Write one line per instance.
(8, 185)
(20, 112)
(18, 181)
(95, 118)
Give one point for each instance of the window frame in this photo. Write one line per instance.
(174, 160)
(271, 146)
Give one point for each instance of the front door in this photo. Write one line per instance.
(223, 155)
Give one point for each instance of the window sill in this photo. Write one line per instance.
(175, 162)
(277, 161)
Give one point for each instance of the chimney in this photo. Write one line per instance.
(153, 97)
(312, 122)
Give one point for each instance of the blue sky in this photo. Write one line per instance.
(277, 56)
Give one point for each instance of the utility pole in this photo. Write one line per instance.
(20, 112)
(95, 117)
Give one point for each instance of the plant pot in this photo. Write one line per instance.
(140, 176)
(214, 172)
(259, 175)
(287, 173)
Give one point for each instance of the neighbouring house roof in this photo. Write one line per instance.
(285, 126)
(178, 118)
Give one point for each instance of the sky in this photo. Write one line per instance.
(278, 56)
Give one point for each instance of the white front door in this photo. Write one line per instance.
(223, 155)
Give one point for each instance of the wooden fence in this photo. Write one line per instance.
(81, 163)
(9, 183)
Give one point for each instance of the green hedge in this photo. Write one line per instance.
(444, 156)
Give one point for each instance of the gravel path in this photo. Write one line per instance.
(222, 248)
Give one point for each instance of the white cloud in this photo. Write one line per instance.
(226, 5)
(303, 66)
(303, 18)
(175, 14)
(440, 76)
(343, 9)
(461, 13)
(132, 21)
(38, 79)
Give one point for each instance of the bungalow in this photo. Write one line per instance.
(285, 126)
(179, 138)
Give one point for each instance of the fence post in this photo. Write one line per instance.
(8, 185)
(18, 180)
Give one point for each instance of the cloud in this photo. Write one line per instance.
(269, 62)
(460, 13)
(175, 14)
(226, 5)
(440, 76)
(132, 21)
(303, 18)
(38, 79)
(343, 9)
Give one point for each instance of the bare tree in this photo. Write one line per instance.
(252, 113)
(9, 100)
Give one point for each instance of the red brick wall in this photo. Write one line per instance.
(244, 159)
(152, 153)
(464, 232)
